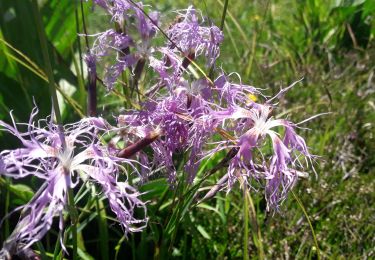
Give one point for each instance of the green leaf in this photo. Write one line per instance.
(203, 232)
(84, 255)
(22, 192)
(153, 189)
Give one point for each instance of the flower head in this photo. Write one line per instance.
(62, 159)
(191, 37)
(280, 169)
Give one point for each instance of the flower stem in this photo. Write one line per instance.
(308, 220)
(246, 224)
(257, 236)
(47, 63)
(224, 15)
(74, 218)
(187, 61)
(222, 22)
(91, 87)
(43, 44)
(137, 75)
(139, 145)
(91, 94)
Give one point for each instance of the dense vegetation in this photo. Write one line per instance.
(330, 44)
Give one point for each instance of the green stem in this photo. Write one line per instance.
(47, 62)
(56, 252)
(224, 15)
(246, 225)
(78, 40)
(84, 26)
(308, 220)
(102, 223)
(81, 83)
(257, 234)
(222, 22)
(7, 202)
(55, 104)
(73, 217)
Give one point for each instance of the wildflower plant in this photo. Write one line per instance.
(176, 119)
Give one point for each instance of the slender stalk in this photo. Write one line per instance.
(78, 42)
(252, 56)
(84, 26)
(91, 69)
(81, 83)
(56, 251)
(137, 75)
(6, 210)
(256, 233)
(47, 62)
(28, 62)
(102, 225)
(73, 217)
(79, 69)
(134, 257)
(223, 163)
(55, 104)
(28, 253)
(224, 15)
(42, 252)
(257, 32)
(125, 89)
(187, 60)
(91, 93)
(137, 146)
(308, 220)
(222, 22)
(246, 225)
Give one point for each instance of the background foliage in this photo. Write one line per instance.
(269, 43)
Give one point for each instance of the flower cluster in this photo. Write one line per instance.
(196, 118)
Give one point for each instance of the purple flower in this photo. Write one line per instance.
(179, 117)
(189, 114)
(162, 115)
(111, 44)
(110, 40)
(168, 67)
(280, 169)
(122, 12)
(191, 37)
(62, 166)
(233, 93)
(114, 71)
(117, 44)
(116, 8)
(145, 26)
(102, 3)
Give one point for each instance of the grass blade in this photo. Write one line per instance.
(246, 224)
(308, 220)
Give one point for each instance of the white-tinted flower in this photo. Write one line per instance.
(62, 160)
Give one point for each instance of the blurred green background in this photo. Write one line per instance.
(270, 44)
